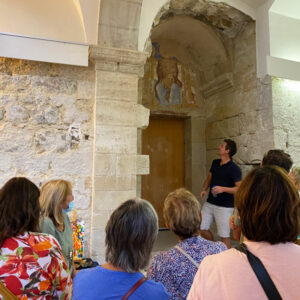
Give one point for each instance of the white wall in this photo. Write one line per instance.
(47, 19)
(49, 30)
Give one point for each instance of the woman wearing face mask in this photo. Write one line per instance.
(56, 199)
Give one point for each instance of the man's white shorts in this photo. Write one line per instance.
(221, 215)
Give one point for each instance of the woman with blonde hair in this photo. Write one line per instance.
(56, 199)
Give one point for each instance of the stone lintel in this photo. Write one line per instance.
(118, 60)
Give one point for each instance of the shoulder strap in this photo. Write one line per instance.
(261, 273)
(188, 256)
(133, 288)
(6, 293)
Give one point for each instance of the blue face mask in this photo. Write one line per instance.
(71, 205)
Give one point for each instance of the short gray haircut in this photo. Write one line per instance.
(130, 234)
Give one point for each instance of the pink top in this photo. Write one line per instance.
(228, 275)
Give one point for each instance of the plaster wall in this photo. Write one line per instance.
(286, 110)
(47, 127)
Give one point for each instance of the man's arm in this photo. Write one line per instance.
(223, 189)
(206, 185)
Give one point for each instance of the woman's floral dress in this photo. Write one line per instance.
(32, 267)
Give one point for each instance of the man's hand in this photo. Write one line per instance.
(218, 190)
(202, 194)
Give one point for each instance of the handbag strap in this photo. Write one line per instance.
(188, 256)
(133, 288)
(6, 293)
(261, 273)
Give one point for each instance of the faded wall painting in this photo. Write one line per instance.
(167, 82)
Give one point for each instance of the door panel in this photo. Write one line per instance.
(163, 141)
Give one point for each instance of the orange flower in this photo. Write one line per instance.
(24, 298)
(44, 285)
(42, 246)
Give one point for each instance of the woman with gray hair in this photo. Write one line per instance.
(130, 234)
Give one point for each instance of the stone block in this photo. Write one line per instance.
(14, 140)
(115, 139)
(85, 89)
(75, 162)
(51, 141)
(198, 129)
(142, 116)
(100, 218)
(115, 183)
(109, 112)
(105, 164)
(198, 177)
(109, 200)
(213, 144)
(223, 129)
(280, 138)
(248, 122)
(126, 164)
(116, 86)
(98, 241)
(53, 85)
(142, 165)
(16, 114)
(198, 153)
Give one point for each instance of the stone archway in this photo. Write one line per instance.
(216, 44)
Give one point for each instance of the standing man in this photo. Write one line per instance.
(223, 179)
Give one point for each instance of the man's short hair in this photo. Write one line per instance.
(182, 213)
(231, 146)
(269, 206)
(278, 158)
(130, 235)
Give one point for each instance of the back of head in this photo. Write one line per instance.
(278, 158)
(19, 208)
(269, 206)
(53, 195)
(130, 234)
(231, 146)
(182, 213)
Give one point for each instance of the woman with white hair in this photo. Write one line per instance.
(130, 234)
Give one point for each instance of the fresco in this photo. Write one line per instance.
(168, 82)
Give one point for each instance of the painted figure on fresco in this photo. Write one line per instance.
(167, 87)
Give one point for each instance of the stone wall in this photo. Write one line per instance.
(47, 126)
(243, 112)
(286, 114)
(118, 117)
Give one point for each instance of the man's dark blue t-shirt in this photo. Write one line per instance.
(225, 175)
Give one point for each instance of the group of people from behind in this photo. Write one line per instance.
(39, 265)
(32, 264)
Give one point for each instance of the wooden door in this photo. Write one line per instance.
(163, 141)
